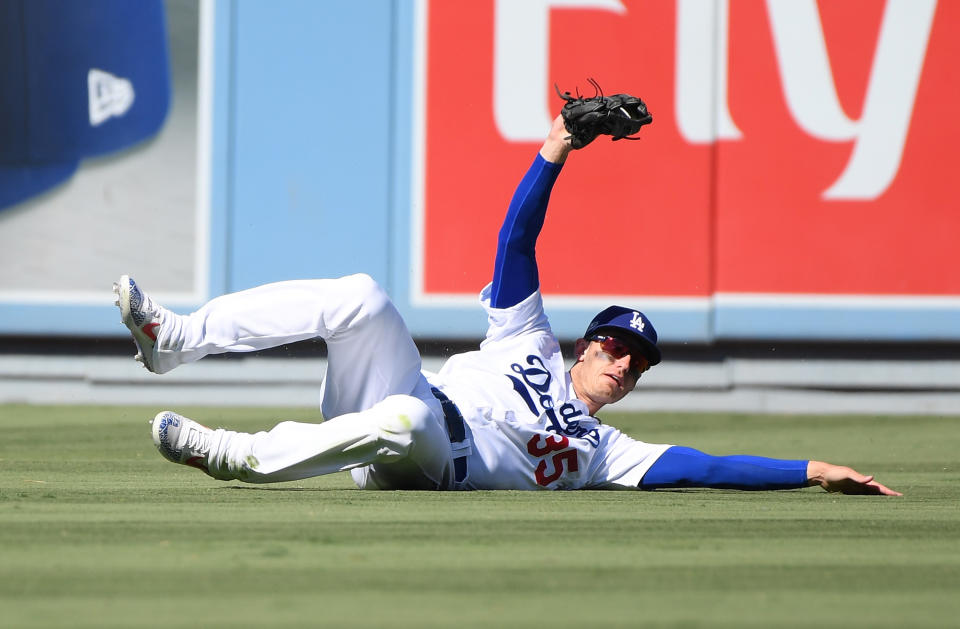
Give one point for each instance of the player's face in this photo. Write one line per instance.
(609, 369)
(618, 348)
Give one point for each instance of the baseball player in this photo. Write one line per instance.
(506, 416)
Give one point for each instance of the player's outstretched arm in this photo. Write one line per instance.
(681, 466)
(845, 480)
(515, 273)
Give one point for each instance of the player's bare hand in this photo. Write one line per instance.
(837, 478)
(557, 145)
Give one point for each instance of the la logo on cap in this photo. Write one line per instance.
(637, 321)
(109, 96)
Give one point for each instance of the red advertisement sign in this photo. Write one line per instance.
(797, 147)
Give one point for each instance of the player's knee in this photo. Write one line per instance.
(364, 294)
(407, 428)
(417, 443)
(365, 288)
(404, 416)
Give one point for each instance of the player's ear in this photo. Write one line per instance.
(579, 348)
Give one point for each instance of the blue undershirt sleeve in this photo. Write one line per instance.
(515, 275)
(685, 467)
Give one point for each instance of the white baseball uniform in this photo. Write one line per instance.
(525, 427)
(528, 429)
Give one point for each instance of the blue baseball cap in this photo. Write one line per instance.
(77, 79)
(627, 324)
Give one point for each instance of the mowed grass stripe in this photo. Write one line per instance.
(97, 530)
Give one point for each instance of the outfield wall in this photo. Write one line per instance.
(797, 182)
(734, 384)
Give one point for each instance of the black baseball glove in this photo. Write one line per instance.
(620, 115)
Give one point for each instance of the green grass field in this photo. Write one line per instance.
(97, 530)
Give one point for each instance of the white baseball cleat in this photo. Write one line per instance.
(141, 315)
(181, 440)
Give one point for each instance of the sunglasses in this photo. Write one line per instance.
(618, 349)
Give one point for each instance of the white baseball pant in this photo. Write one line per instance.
(383, 422)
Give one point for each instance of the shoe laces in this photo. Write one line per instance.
(149, 307)
(197, 439)
(142, 307)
